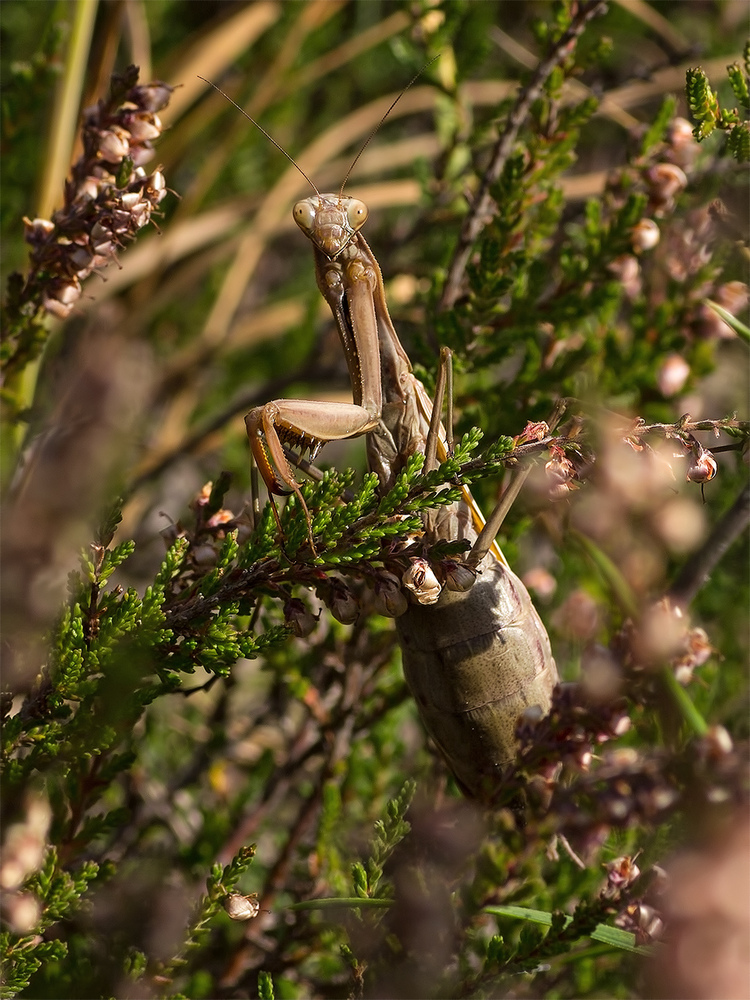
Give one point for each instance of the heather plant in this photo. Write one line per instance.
(214, 779)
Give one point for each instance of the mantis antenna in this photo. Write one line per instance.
(291, 159)
(260, 128)
(375, 131)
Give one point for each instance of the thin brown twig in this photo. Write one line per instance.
(701, 564)
(482, 209)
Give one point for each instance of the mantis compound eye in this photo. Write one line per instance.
(304, 215)
(356, 213)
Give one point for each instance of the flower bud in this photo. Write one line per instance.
(140, 154)
(458, 576)
(344, 607)
(144, 127)
(665, 182)
(733, 297)
(717, 743)
(702, 469)
(22, 912)
(389, 598)
(673, 374)
(156, 188)
(422, 582)
(204, 555)
(153, 96)
(81, 258)
(644, 235)
(622, 872)
(102, 240)
(60, 298)
(540, 581)
(114, 144)
(25, 844)
(298, 618)
(241, 907)
(628, 271)
(682, 142)
(36, 231)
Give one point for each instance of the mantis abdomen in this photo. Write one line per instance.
(474, 662)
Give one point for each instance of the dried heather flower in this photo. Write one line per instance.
(683, 147)
(703, 468)
(627, 271)
(664, 181)
(25, 844)
(560, 473)
(533, 431)
(344, 607)
(60, 297)
(341, 602)
(673, 374)
(421, 581)
(697, 650)
(644, 235)
(298, 618)
(389, 598)
(114, 144)
(621, 872)
(102, 210)
(241, 907)
(643, 920)
(458, 576)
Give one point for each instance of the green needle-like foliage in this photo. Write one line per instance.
(215, 781)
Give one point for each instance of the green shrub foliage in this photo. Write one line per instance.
(214, 779)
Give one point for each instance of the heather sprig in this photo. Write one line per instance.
(108, 198)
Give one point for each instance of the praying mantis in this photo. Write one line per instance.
(475, 652)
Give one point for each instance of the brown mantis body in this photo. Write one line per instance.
(474, 660)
